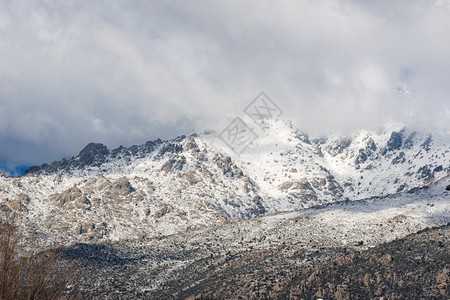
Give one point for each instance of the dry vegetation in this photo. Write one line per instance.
(27, 272)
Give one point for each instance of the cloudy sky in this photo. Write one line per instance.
(124, 72)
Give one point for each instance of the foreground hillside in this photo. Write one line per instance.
(414, 267)
(372, 243)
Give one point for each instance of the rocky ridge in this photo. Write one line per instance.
(164, 187)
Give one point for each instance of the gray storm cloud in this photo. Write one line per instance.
(123, 72)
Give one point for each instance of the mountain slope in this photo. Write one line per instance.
(165, 187)
(273, 256)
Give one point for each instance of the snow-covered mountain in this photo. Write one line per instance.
(165, 187)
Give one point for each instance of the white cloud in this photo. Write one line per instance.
(4, 21)
(72, 72)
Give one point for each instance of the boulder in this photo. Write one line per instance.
(71, 198)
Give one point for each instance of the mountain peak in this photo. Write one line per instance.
(93, 154)
(94, 148)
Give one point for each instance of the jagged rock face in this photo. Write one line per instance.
(170, 148)
(338, 146)
(70, 199)
(95, 155)
(174, 163)
(395, 142)
(92, 155)
(21, 203)
(406, 152)
(228, 167)
(305, 189)
(366, 152)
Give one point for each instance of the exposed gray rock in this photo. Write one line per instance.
(370, 145)
(169, 148)
(409, 141)
(175, 163)
(438, 169)
(426, 144)
(228, 166)
(72, 198)
(361, 158)
(399, 159)
(395, 141)
(425, 172)
(339, 146)
(93, 154)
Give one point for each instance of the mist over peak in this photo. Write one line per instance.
(124, 73)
